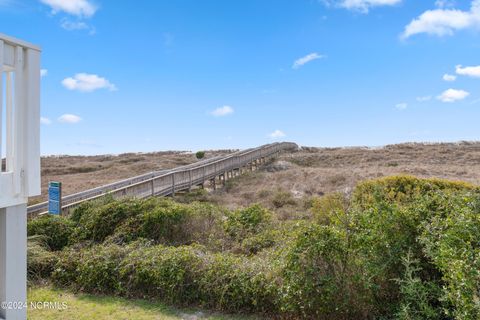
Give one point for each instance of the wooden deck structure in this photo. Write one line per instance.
(168, 182)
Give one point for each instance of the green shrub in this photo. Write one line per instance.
(164, 223)
(57, 230)
(183, 275)
(329, 208)
(65, 270)
(168, 273)
(196, 195)
(382, 237)
(98, 271)
(451, 240)
(40, 260)
(85, 208)
(171, 223)
(283, 198)
(98, 222)
(319, 281)
(419, 299)
(413, 222)
(247, 221)
(94, 270)
(402, 248)
(403, 189)
(234, 284)
(200, 155)
(256, 243)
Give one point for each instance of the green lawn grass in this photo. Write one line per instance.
(87, 307)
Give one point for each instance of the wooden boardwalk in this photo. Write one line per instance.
(167, 182)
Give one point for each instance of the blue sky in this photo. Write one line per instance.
(124, 76)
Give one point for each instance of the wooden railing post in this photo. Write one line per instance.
(190, 179)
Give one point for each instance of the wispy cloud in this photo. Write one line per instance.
(69, 118)
(43, 73)
(85, 82)
(46, 121)
(452, 95)
(449, 77)
(69, 25)
(306, 59)
(445, 3)
(443, 22)
(79, 8)
(468, 71)
(277, 134)
(8, 3)
(74, 13)
(222, 111)
(360, 5)
(401, 106)
(424, 98)
(168, 39)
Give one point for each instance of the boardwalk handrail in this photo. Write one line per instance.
(167, 182)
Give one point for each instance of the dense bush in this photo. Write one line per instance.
(401, 247)
(96, 223)
(451, 241)
(283, 198)
(40, 259)
(164, 223)
(402, 189)
(181, 275)
(263, 240)
(200, 155)
(318, 276)
(248, 221)
(238, 284)
(169, 273)
(55, 230)
(328, 207)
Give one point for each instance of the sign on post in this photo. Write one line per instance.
(55, 197)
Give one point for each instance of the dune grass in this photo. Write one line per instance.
(87, 307)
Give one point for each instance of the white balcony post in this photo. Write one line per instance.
(20, 62)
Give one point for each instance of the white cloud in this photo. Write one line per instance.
(424, 98)
(445, 3)
(80, 8)
(77, 25)
(308, 58)
(401, 106)
(452, 95)
(85, 82)
(43, 72)
(449, 77)
(361, 5)
(46, 121)
(277, 134)
(442, 22)
(69, 118)
(222, 111)
(468, 71)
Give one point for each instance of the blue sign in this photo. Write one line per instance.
(55, 198)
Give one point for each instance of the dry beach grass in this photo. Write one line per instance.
(78, 173)
(318, 171)
(299, 175)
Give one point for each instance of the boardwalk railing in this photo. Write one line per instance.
(167, 182)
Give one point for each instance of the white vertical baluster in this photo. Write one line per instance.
(9, 122)
(18, 124)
